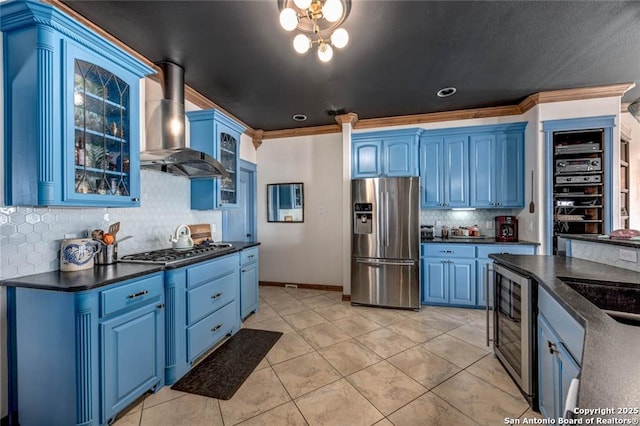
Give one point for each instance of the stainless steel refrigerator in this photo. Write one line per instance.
(385, 249)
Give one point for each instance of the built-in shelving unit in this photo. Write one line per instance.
(625, 138)
(578, 182)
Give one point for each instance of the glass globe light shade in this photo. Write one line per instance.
(325, 52)
(332, 10)
(302, 4)
(288, 19)
(301, 43)
(340, 38)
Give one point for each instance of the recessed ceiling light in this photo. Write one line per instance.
(447, 91)
(299, 117)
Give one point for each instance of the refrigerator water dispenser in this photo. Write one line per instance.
(363, 218)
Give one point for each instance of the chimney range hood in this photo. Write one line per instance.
(165, 147)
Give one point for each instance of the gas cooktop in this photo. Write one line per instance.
(169, 256)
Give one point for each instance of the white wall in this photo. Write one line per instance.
(309, 252)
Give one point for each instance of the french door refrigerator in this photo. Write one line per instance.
(385, 249)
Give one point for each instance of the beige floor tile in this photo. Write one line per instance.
(304, 293)
(265, 312)
(334, 295)
(272, 324)
(381, 316)
(163, 395)
(261, 392)
(530, 414)
(318, 301)
(415, 331)
(306, 373)
(425, 367)
(129, 419)
(289, 308)
(284, 415)
(386, 387)
(305, 319)
(349, 356)
(479, 400)
(356, 325)
(278, 298)
(335, 312)
(337, 404)
(466, 315)
(192, 410)
(385, 342)
(490, 370)
(473, 334)
(288, 346)
(323, 335)
(454, 350)
(438, 321)
(264, 363)
(383, 422)
(429, 410)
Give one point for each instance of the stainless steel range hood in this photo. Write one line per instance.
(165, 147)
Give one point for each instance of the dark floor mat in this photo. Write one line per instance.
(222, 373)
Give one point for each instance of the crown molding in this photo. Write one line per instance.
(574, 95)
(349, 118)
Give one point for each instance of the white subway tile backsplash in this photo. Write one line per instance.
(30, 237)
(457, 218)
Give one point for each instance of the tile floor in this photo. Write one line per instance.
(342, 365)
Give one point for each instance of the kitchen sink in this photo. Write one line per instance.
(620, 302)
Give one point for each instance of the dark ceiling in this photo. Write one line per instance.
(399, 55)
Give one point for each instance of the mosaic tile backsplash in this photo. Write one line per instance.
(457, 218)
(30, 237)
(604, 253)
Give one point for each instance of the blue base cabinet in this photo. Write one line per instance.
(217, 135)
(249, 297)
(476, 166)
(202, 309)
(448, 274)
(560, 344)
(385, 154)
(81, 92)
(79, 358)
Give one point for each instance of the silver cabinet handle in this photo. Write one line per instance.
(216, 328)
(552, 347)
(215, 296)
(486, 300)
(138, 294)
(446, 251)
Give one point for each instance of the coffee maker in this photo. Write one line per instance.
(506, 228)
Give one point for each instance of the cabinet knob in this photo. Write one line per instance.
(160, 306)
(135, 199)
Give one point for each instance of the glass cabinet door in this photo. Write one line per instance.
(101, 125)
(229, 159)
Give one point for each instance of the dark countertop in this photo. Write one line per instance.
(487, 240)
(604, 240)
(610, 374)
(102, 275)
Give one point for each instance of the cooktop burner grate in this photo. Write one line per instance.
(168, 256)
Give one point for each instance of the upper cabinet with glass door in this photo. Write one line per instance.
(217, 135)
(72, 98)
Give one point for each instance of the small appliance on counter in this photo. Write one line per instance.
(426, 232)
(181, 239)
(506, 229)
(77, 254)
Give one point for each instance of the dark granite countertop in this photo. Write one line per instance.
(486, 240)
(610, 374)
(102, 275)
(604, 240)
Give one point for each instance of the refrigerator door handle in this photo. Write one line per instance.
(386, 263)
(386, 219)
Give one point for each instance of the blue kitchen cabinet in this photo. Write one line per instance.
(497, 170)
(202, 309)
(444, 171)
(81, 92)
(101, 348)
(560, 344)
(448, 274)
(483, 265)
(385, 154)
(217, 135)
(249, 298)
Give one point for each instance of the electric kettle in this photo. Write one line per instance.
(77, 254)
(182, 238)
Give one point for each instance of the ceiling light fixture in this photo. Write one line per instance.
(446, 92)
(320, 20)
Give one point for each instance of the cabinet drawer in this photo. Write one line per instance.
(141, 291)
(486, 250)
(210, 330)
(249, 255)
(568, 329)
(448, 250)
(203, 300)
(207, 271)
